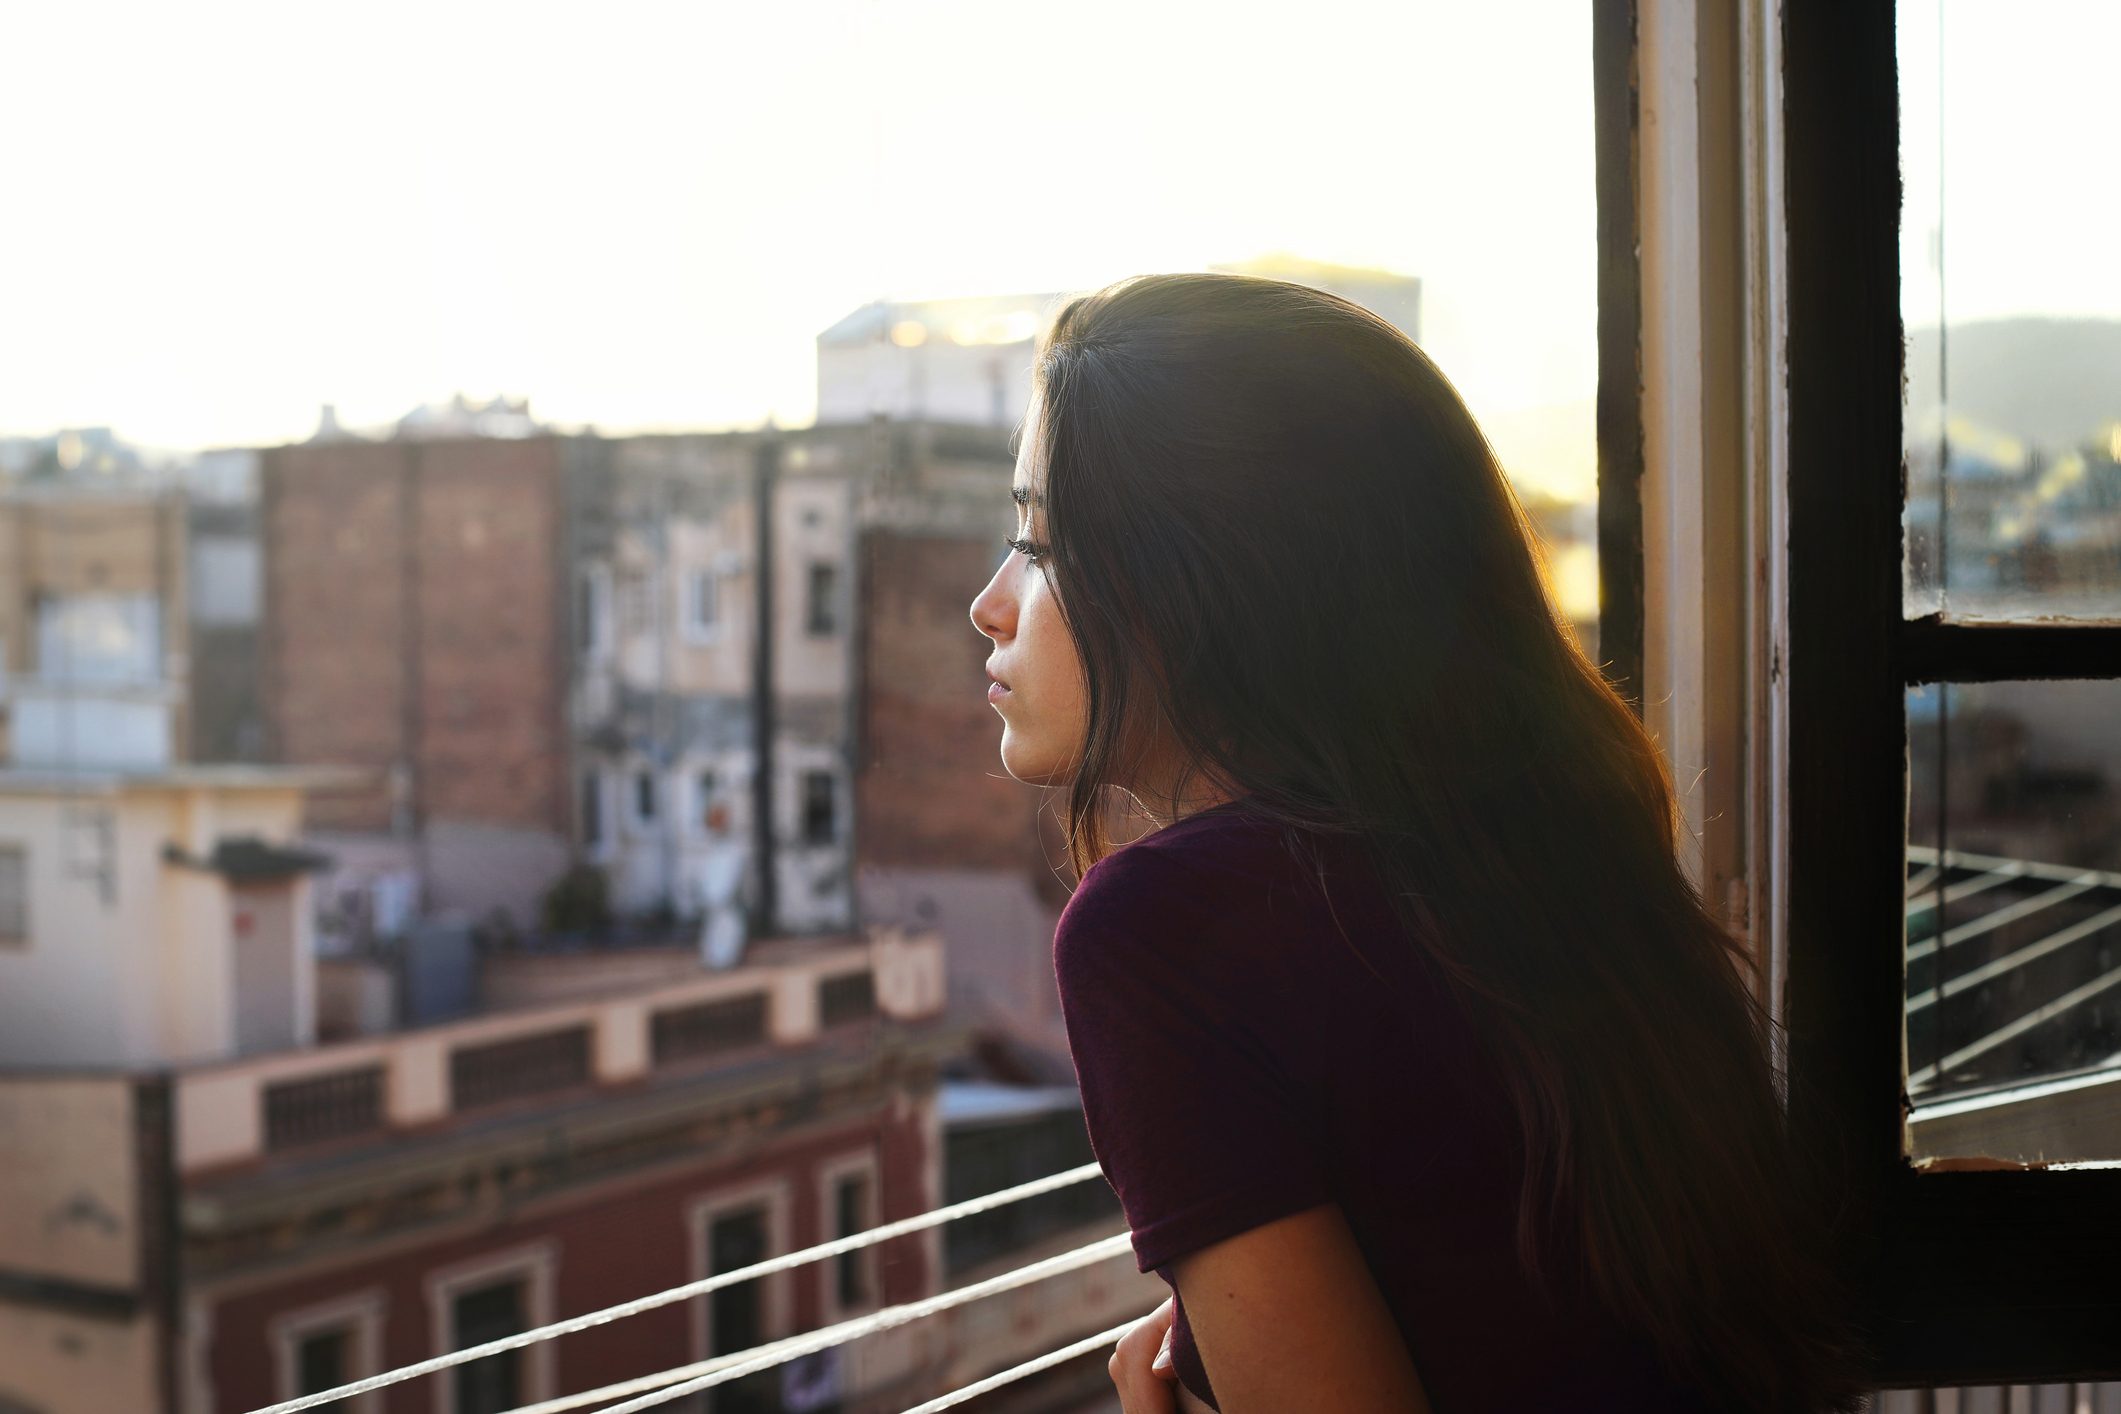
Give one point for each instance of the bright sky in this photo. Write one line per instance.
(221, 215)
(2019, 157)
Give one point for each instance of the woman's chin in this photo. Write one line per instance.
(1033, 768)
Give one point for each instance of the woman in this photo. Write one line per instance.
(1422, 1075)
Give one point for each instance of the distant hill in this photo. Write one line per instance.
(2055, 381)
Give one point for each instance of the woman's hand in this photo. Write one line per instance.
(1141, 1366)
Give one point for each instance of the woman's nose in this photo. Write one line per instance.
(994, 611)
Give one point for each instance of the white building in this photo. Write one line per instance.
(947, 360)
(156, 918)
(969, 360)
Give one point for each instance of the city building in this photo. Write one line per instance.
(189, 1227)
(968, 360)
(546, 653)
(964, 361)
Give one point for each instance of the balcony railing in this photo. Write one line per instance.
(663, 1386)
(237, 1111)
(2008, 1001)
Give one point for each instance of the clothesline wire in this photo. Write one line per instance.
(701, 1287)
(829, 1336)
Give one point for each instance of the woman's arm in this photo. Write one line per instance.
(1287, 1317)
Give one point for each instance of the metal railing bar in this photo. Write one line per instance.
(1029, 1367)
(654, 1381)
(2001, 965)
(2019, 1027)
(1922, 879)
(2009, 913)
(892, 1316)
(691, 1289)
(1959, 859)
(2008, 870)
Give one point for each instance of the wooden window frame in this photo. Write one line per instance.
(775, 1197)
(1962, 1278)
(360, 1315)
(536, 1265)
(861, 1164)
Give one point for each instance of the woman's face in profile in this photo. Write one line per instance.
(1037, 680)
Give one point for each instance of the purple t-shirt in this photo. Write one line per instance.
(1252, 1044)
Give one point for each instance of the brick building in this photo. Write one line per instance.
(413, 627)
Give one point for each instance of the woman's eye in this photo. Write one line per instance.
(1029, 549)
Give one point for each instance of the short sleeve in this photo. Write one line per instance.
(1174, 984)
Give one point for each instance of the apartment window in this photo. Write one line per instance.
(821, 618)
(14, 896)
(821, 824)
(731, 1229)
(591, 592)
(738, 1317)
(853, 1211)
(225, 579)
(335, 1342)
(703, 607)
(592, 809)
(644, 795)
(493, 1385)
(708, 813)
(323, 1360)
(99, 638)
(485, 1299)
(737, 1240)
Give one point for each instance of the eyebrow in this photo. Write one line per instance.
(1023, 497)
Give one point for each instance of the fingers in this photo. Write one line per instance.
(1142, 1388)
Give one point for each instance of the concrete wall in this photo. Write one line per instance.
(70, 1215)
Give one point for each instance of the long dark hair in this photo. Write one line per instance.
(1276, 532)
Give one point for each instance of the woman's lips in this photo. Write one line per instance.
(996, 691)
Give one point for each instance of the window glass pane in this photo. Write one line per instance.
(14, 895)
(2014, 920)
(822, 618)
(493, 1384)
(99, 638)
(737, 1314)
(2012, 301)
(321, 1364)
(851, 1215)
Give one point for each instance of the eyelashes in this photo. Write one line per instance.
(1029, 549)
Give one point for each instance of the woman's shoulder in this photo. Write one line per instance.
(1203, 858)
(1217, 879)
